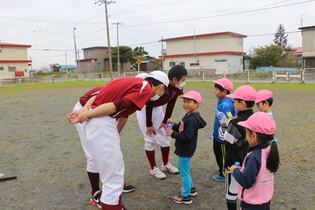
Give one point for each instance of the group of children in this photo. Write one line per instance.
(247, 158)
(254, 147)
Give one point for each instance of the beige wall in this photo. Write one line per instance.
(308, 43)
(13, 53)
(204, 45)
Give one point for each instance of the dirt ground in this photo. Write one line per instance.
(41, 148)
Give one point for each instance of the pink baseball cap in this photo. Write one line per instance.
(245, 92)
(192, 95)
(225, 83)
(260, 122)
(263, 95)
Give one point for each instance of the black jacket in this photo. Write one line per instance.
(186, 134)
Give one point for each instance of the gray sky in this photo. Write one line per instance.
(49, 24)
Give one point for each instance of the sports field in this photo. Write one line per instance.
(41, 148)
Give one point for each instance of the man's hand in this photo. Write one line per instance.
(77, 117)
(163, 125)
(150, 131)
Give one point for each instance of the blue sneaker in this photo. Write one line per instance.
(218, 178)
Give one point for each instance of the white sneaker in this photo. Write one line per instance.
(170, 168)
(157, 173)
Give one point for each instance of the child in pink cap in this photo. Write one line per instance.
(256, 176)
(234, 137)
(264, 101)
(185, 134)
(222, 87)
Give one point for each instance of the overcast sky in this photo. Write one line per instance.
(48, 25)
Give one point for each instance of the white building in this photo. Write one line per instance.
(13, 60)
(308, 47)
(217, 53)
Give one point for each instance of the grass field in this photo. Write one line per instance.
(41, 148)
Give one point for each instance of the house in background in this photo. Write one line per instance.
(147, 66)
(96, 59)
(13, 60)
(308, 47)
(214, 52)
(62, 68)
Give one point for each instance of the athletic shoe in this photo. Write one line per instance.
(170, 168)
(128, 188)
(157, 173)
(182, 199)
(96, 199)
(193, 191)
(218, 178)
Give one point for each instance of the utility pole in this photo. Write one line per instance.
(75, 52)
(118, 59)
(302, 19)
(108, 38)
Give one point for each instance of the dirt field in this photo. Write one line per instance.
(41, 148)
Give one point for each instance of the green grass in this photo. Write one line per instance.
(258, 86)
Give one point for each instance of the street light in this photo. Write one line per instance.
(108, 39)
(118, 59)
(75, 52)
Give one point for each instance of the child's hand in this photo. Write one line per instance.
(168, 132)
(231, 169)
(170, 122)
(225, 120)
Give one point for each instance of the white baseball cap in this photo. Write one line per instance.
(160, 76)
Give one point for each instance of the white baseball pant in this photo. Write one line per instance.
(157, 118)
(90, 166)
(104, 141)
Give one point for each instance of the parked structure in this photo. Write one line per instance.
(215, 52)
(96, 59)
(13, 60)
(308, 47)
(147, 66)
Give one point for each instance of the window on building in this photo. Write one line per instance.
(1, 68)
(182, 64)
(100, 65)
(12, 69)
(172, 64)
(194, 64)
(88, 53)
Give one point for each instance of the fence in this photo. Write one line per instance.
(301, 76)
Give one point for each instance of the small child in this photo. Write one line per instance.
(226, 105)
(186, 134)
(264, 101)
(256, 176)
(234, 137)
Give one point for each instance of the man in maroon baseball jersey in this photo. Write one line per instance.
(119, 98)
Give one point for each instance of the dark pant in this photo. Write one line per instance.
(219, 152)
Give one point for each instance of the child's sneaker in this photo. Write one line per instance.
(96, 199)
(182, 199)
(128, 188)
(157, 173)
(218, 178)
(193, 191)
(170, 168)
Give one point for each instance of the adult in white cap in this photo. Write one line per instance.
(119, 98)
(152, 121)
(234, 137)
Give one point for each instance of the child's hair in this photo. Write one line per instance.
(249, 104)
(221, 88)
(273, 160)
(269, 100)
(154, 82)
(177, 71)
